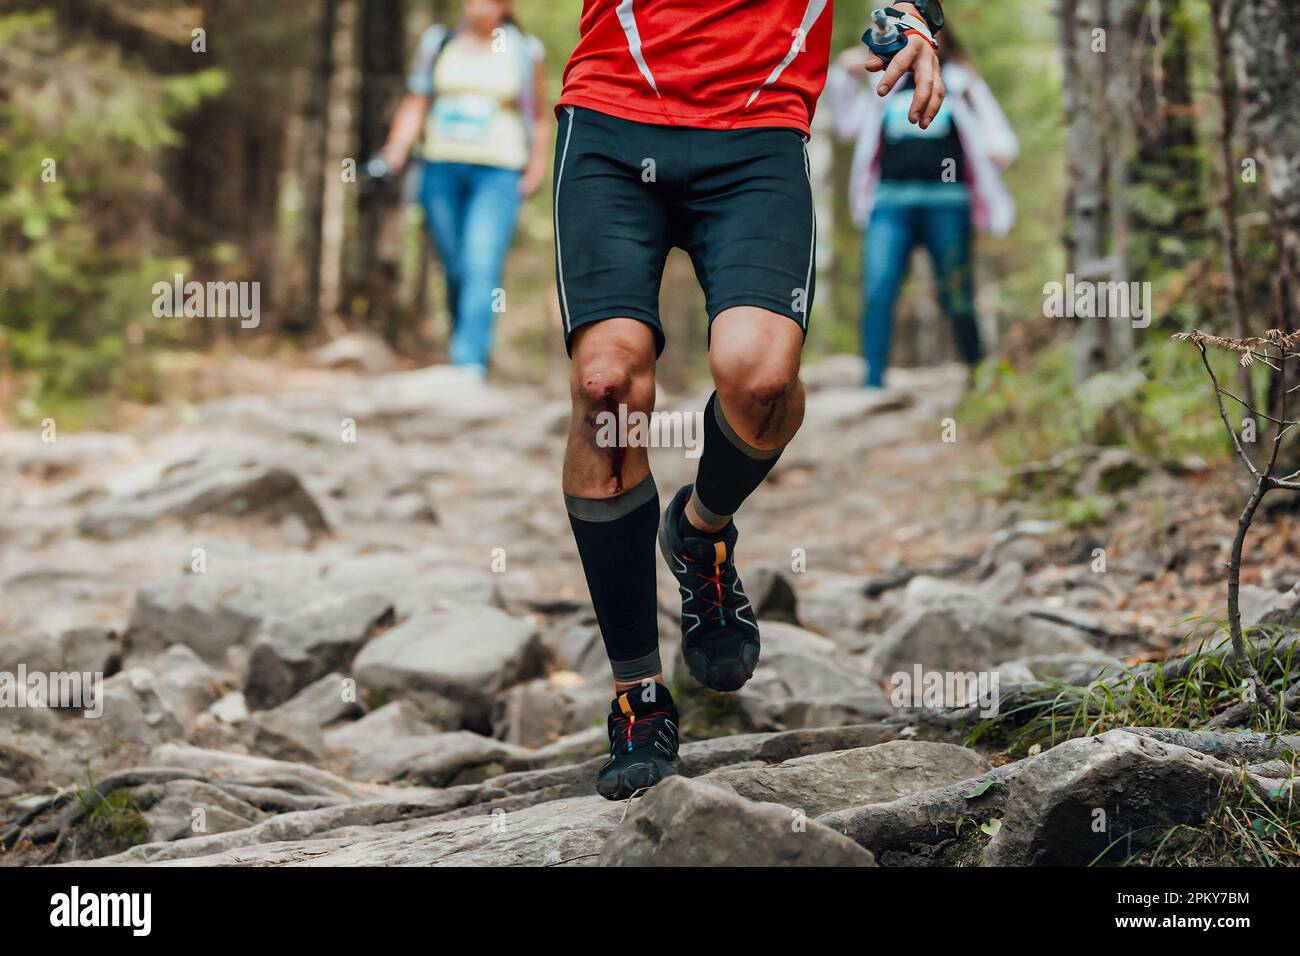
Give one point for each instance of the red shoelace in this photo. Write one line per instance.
(636, 730)
(716, 580)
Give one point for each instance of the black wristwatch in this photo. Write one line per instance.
(931, 12)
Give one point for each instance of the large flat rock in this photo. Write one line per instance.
(821, 783)
(683, 822)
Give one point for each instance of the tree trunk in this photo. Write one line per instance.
(1220, 25)
(314, 169)
(1097, 93)
(379, 209)
(339, 141)
(225, 174)
(1166, 201)
(1266, 43)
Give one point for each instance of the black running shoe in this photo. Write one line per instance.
(719, 632)
(642, 742)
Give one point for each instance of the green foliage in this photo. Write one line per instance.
(1251, 827)
(80, 132)
(1088, 510)
(110, 822)
(1206, 686)
(1159, 405)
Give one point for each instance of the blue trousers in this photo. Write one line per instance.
(891, 235)
(471, 212)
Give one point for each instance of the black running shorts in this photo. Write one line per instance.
(739, 202)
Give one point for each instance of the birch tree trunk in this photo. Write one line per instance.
(313, 167)
(339, 139)
(1097, 92)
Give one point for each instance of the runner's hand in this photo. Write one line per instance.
(531, 180)
(921, 59)
(394, 157)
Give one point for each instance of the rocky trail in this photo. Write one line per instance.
(341, 621)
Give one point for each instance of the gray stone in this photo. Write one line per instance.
(438, 760)
(188, 808)
(400, 718)
(186, 683)
(771, 594)
(284, 736)
(805, 680)
(822, 783)
(540, 711)
(22, 768)
(37, 652)
(578, 646)
(395, 743)
(330, 699)
(216, 610)
(26, 453)
(411, 582)
(574, 748)
(962, 633)
(231, 708)
(265, 772)
(323, 636)
(836, 605)
(564, 832)
(683, 822)
(464, 653)
(1135, 787)
(1274, 608)
(911, 825)
(91, 649)
(270, 494)
(134, 710)
(701, 756)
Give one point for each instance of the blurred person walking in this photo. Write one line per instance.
(933, 186)
(476, 92)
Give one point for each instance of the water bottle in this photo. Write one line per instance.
(375, 169)
(883, 38)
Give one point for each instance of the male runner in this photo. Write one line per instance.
(683, 123)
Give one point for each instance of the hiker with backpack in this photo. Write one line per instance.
(476, 94)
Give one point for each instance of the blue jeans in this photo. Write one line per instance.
(891, 235)
(471, 213)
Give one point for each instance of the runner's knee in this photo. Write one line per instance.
(613, 369)
(763, 402)
(753, 375)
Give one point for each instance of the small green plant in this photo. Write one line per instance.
(1193, 692)
(110, 822)
(1255, 825)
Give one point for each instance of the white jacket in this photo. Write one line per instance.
(858, 114)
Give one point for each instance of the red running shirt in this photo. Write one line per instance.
(713, 64)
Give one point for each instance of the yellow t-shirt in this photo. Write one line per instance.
(475, 114)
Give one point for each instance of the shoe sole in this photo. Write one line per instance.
(624, 783)
(725, 675)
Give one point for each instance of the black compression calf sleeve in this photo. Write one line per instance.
(730, 468)
(616, 541)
